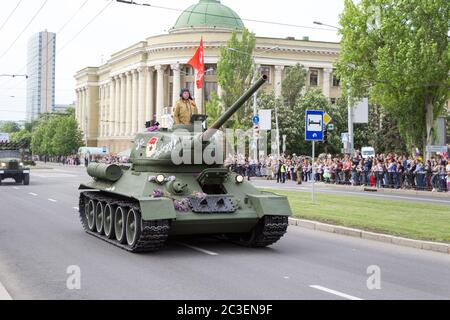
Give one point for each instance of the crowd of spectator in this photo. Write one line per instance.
(77, 160)
(381, 171)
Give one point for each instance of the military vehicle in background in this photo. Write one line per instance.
(11, 163)
(138, 206)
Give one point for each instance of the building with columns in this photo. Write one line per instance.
(142, 82)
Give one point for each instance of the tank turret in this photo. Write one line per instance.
(156, 148)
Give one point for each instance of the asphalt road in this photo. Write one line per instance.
(41, 237)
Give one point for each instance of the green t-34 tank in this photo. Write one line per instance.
(138, 206)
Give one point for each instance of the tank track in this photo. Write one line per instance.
(269, 230)
(152, 237)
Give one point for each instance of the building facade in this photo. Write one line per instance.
(41, 74)
(143, 82)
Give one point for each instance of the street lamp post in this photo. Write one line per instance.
(349, 107)
(255, 97)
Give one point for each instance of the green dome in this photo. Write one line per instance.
(209, 14)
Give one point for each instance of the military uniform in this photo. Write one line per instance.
(183, 111)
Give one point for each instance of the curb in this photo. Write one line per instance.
(356, 233)
(442, 195)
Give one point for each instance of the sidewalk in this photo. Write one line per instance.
(40, 165)
(441, 195)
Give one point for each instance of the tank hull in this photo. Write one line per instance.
(244, 209)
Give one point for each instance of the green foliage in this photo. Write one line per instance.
(56, 135)
(9, 127)
(235, 73)
(381, 132)
(397, 52)
(23, 137)
(291, 120)
(294, 83)
(213, 109)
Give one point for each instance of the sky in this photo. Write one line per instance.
(89, 38)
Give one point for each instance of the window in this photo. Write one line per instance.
(210, 70)
(313, 78)
(336, 81)
(265, 70)
(190, 87)
(210, 87)
(189, 71)
(171, 102)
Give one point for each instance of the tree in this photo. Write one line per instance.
(9, 127)
(213, 109)
(294, 83)
(397, 52)
(235, 73)
(291, 120)
(56, 135)
(23, 137)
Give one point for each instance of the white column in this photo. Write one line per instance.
(278, 81)
(176, 68)
(88, 113)
(118, 100)
(77, 107)
(101, 99)
(198, 96)
(160, 92)
(105, 109)
(112, 106)
(141, 119)
(135, 103)
(83, 110)
(123, 103)
(327, 82)
(129, 105)
(150, 106)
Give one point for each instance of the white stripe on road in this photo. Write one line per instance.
(199, 249)
(4, 295)
(336, 293)
(33, 194)
(52, 200)
(16, 188)
(76, 208)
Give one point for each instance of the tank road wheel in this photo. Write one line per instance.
(108, 224)
(26, 179)
(90, 215)
(133, 227)
(99, 217)
(119, 225)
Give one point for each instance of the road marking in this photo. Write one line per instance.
(4, 295)
(76, 208)
(33, 194)
(16, 188)
(199, 249)
(337, 293)
(52, 200)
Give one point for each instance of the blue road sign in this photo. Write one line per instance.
(256, 120)
(314, 125)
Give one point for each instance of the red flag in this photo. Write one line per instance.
(198, 63)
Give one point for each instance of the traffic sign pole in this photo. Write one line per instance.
(313, 171)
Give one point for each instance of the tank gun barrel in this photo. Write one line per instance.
(234, 108)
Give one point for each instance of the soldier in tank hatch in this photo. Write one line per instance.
(184, 108)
